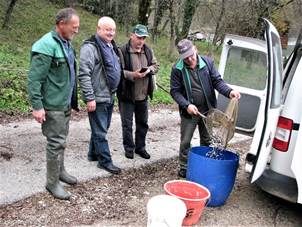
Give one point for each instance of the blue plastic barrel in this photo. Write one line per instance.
(216, 175)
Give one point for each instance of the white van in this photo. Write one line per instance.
(270, 109)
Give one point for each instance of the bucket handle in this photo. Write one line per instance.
(208, 201)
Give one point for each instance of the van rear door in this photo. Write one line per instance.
(261, 92)
(243, 66)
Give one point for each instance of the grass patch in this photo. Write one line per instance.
(33, 18)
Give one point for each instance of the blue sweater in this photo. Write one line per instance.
(111, 63)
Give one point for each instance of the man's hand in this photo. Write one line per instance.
(39, 115)
(192, 109)
(91, 106)
(234, 94)
(137, 74)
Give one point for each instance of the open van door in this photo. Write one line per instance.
(260, 105)
(243, 65)
(268, 118)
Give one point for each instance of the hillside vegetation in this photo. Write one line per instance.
(33, 18)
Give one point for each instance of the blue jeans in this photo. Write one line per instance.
(99, 123)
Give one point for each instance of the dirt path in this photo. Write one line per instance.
(22, 152)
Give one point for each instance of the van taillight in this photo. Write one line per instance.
(283, 133)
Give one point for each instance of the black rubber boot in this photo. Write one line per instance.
(64, 176)
(53, 185)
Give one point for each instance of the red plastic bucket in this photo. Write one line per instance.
(194, 195)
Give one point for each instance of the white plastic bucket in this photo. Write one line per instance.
(165, 211)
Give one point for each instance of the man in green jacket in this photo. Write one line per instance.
(53, 93)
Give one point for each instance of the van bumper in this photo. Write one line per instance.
(279, 185)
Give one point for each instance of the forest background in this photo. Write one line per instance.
(206, 22)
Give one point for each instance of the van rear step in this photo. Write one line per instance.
(279, 185)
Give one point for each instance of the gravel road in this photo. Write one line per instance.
(101, 199)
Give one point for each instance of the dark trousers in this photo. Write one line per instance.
(55, 129)
(99, 123)
(140, 111)
(187, 128)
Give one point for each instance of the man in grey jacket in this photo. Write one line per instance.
(99, 76)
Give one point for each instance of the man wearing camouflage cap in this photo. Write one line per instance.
(137, 83)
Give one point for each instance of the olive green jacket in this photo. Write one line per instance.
(49, 75)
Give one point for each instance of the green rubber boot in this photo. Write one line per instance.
(53, 185)
(64, 176)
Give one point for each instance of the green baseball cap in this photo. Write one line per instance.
(140, 30)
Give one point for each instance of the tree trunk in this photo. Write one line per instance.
(143, 11)
(8, 13)
(103, 8)
(172, 26)
(160, 7)
(155, 20)
(217, 34)
(125, 15)
(189, 11)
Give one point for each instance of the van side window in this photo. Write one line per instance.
(246, 68)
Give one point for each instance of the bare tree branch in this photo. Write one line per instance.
(8, 13)
(280, 6)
